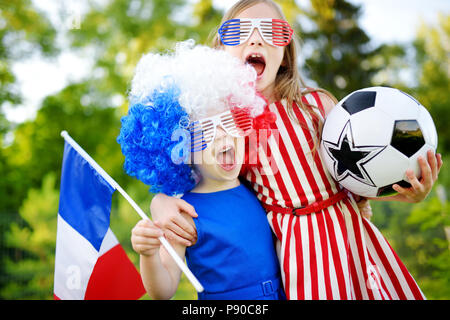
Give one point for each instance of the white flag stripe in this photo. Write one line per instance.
(75, 259)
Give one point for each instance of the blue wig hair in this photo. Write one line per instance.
(148, 142)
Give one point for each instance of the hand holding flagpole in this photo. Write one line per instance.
(141, 213)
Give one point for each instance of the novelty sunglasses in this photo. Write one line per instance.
(276, 32)
(237, 123)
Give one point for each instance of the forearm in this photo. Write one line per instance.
(159, 283)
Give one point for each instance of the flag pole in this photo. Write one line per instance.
(141, 213)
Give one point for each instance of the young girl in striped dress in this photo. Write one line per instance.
(326, 248)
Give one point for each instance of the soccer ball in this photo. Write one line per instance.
(372, 136)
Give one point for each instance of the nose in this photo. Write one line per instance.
(222, 137)
(255, 38)
(220, 132)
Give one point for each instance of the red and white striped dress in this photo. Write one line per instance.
(331, 254)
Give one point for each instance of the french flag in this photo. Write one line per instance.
(90, 263)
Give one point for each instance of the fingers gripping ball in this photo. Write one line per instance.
(373, 136)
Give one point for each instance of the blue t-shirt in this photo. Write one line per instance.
(234, 257)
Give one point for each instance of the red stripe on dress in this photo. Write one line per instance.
(392, 275)
(359, 244)
(259, 187)
(354, 277)
(410, 280)
(286, 260)
(338, 263)
(324, 245)
(276, 226)
(279, 178)
(313, 261)
(327, 183)
(280, 182)
(387, 265)
(350, 259)
(265, 182)
(255, 172)
(300, 153)
(318, 162)
(299, 259)
(380, 282)
(292, 174)
(319, 103)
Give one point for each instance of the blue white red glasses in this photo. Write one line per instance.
(274, 31)
(237, 123)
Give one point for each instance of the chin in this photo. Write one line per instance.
(231, 177)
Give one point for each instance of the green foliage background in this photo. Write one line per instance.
(115, 33)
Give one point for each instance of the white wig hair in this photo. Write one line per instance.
(210, 80)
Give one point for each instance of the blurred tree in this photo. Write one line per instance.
(432, 245)
(416, 232)
(433, 74)
(24, 31)
(342, 59)
(206, 22)
(31, 273)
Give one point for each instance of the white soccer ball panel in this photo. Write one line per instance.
(371, 128)
(329, 163)
(414, 162)
(428, 128)
(338, 117)
(396, 104)
(387, 167)
(358, 188)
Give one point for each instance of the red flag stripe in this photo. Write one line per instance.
(112, 276)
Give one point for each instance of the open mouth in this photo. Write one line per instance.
(225, 158)
(258, 62)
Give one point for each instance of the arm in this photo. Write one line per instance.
(160, 274)
(327, 102)
(167, 215)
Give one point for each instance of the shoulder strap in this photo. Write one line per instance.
(315, 94)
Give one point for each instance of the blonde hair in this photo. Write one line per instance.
(289, 84)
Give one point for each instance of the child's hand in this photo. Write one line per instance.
(144, 238)
(420, 189)
(166, 215)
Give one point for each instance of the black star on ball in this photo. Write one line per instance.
(347, 159)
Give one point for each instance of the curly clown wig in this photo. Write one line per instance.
(168, 91)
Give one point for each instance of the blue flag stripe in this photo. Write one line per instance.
(85, 197)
